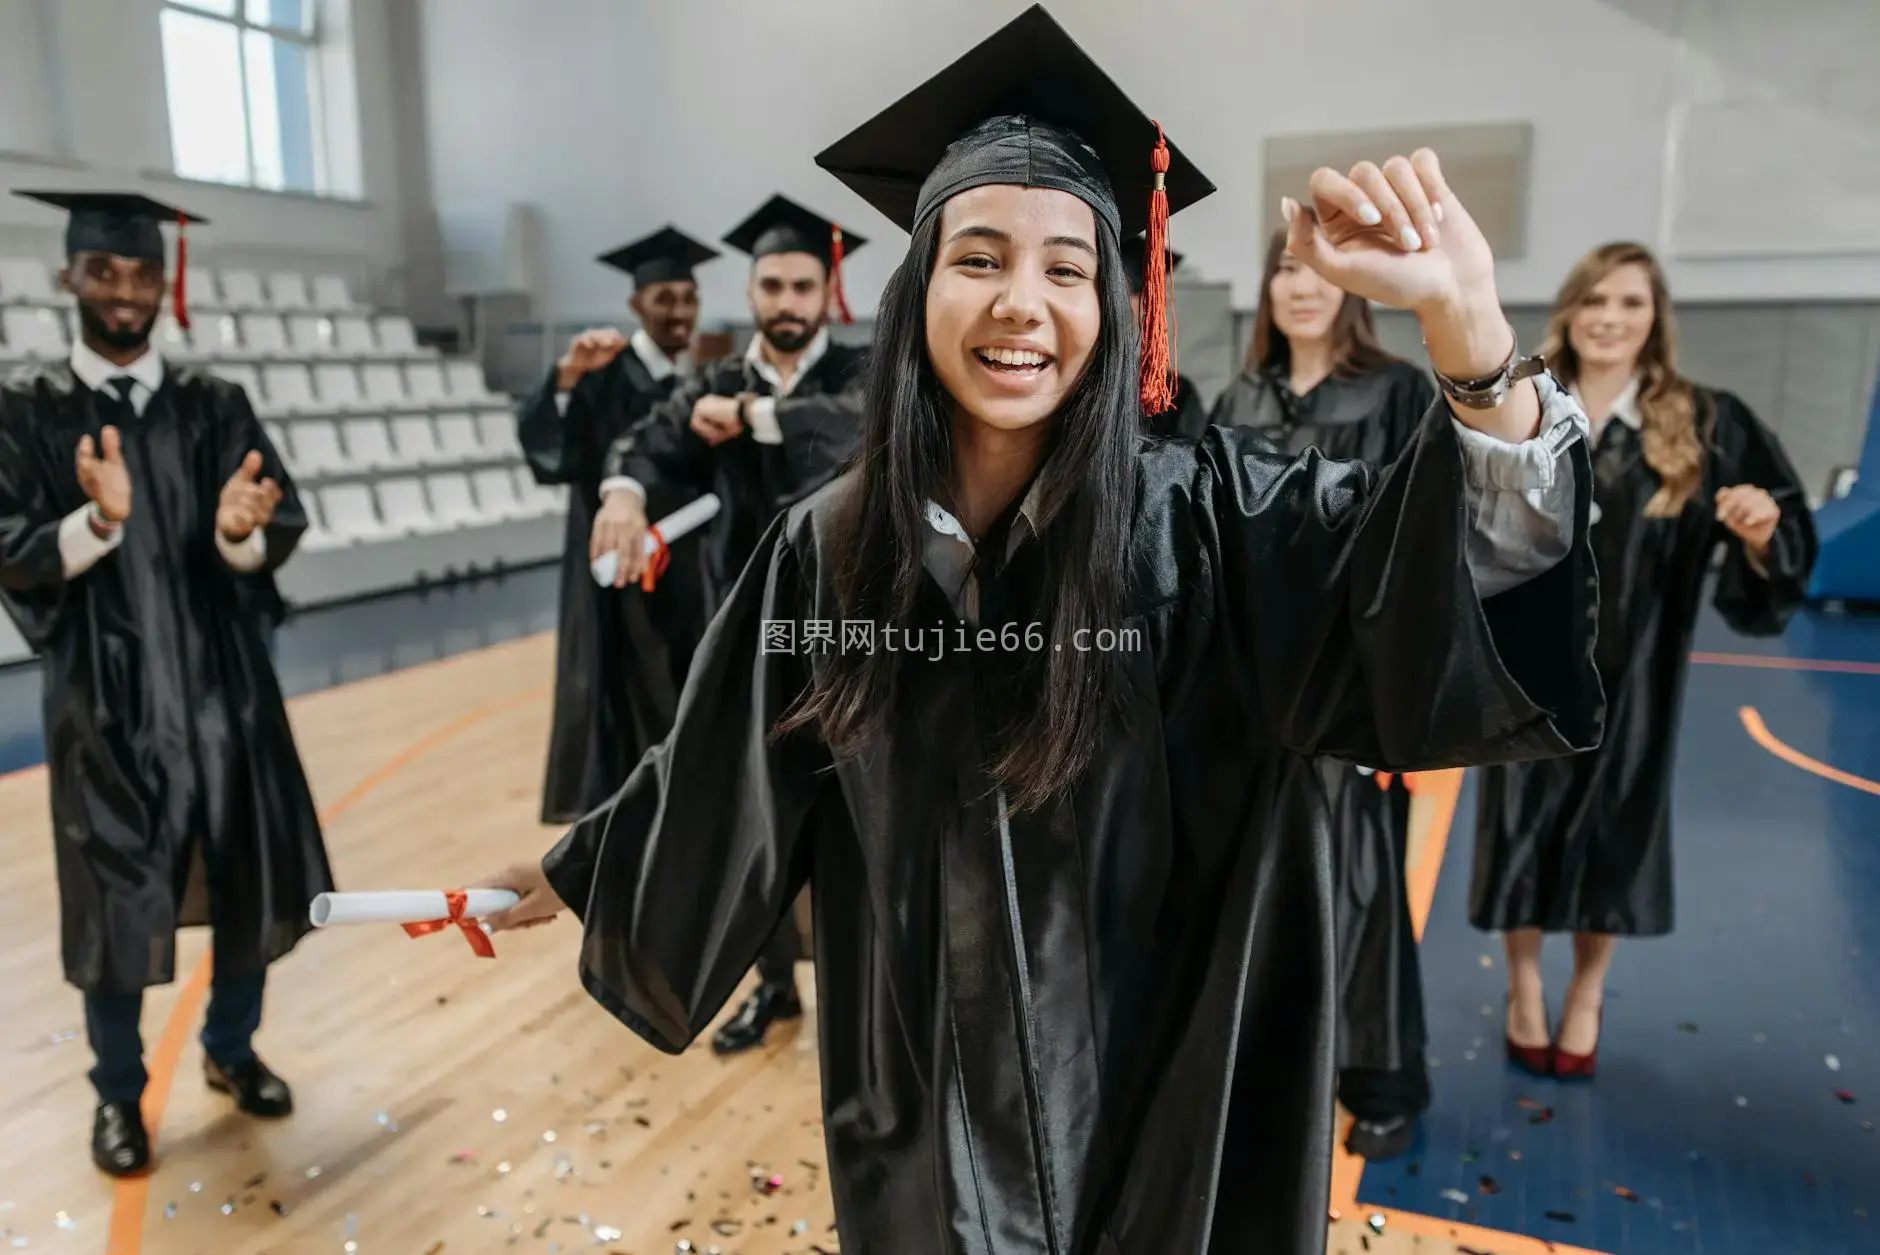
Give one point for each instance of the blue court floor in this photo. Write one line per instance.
(1739, 1082)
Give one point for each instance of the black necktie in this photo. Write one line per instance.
(122, 385)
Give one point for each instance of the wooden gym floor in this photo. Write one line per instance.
(445, 1104)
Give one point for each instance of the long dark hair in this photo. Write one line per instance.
(1355, 347)
(1057, 700)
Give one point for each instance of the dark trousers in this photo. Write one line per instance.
(1380, 1097)
(776, 964)
(113, 1023)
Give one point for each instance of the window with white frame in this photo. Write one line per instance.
(243, 81)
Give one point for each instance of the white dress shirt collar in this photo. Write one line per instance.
(95, 371)
(1625, 408)
(654, 358)
(812, 354)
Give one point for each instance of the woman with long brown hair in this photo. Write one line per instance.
(1316, 377)
(1583, 844)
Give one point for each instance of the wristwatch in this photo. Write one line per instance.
(1491, 389)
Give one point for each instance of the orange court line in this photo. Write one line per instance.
(1770, 663)
(130, 1197)
(1759, 733)
(1444, 788)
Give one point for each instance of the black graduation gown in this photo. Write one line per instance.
(167, 740)
(620, 654)
(1184, 419)
(818, 420)
(1371, 417)
(1583, 844)
(1028, 1022)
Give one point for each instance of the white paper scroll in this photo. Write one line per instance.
(687, 518)
(404, 907)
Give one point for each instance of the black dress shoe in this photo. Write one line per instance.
(747, 1028)
(1381, 1140)
(254, 1087)
(119, 1144)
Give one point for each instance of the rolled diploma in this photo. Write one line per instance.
(687, 518)
(404, 906)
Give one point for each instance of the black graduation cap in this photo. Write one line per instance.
(1136, 253)
(780, 225)
(125, 224)
(1029, 107)
(667, 255)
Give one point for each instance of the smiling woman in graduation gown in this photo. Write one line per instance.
(620, 654)
(1032, 985)
(166, 734)
(1583, 844)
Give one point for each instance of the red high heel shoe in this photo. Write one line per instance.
(1534, 1060)
(1571, 1067)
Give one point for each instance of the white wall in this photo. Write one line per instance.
(89, 112)
(614, 116)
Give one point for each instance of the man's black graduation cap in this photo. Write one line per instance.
(125, 224)
(1135, 257)
(666, 256)
(780, 225)
(1029, 107)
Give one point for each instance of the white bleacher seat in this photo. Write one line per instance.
(290, 389)
(466, 382)
(348, 512)
(310, 333)
(457, 439)
(337, 384)
(37, 334)
(496, 496)
(314, 449)
(415, 441)
(27, 281)
(541, 498)
(330, 294)
(498, 431)
(317, 537)
(368, 445)
(384, 385)
(452, 503)
(424, 384)
(202, 291)
(241, 289)
(287, 289)
(265, 335)
(215, 336)
(402, 506)
(277, 436)
(353, 336)
(172, 341)
(397, 338)
(249, 380)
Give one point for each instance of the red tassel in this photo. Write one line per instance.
(182, 268)
(835, 275)
(1158, 347)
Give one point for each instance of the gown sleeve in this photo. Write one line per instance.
(32, 569)
(1438, 612)
(1235, 406)
(682, 877)
(243, 432)
(1761, 603)
(819, 433)
(550, 436)
(662, 450)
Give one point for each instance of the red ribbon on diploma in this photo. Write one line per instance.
(656, 561)
(456, 900)
(1411, 780)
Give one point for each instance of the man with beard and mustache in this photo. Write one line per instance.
(762, 431)
(135, 499)
(621, 654)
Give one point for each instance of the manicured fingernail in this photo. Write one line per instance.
(1438, 208)
(1429, 233)
(1368, 215)
(1411, 240)
(1287, 208)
